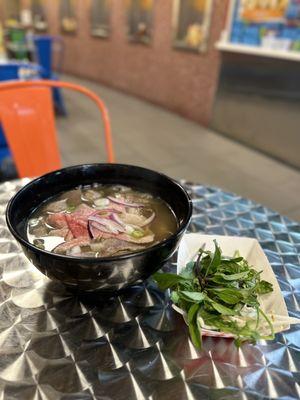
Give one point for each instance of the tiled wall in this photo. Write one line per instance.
(180, 81)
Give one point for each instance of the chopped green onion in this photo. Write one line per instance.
(137, 234)
(71, 208)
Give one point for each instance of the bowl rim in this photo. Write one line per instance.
(33, 248)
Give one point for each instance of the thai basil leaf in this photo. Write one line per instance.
(195, 297)
(193, 327)
(233, 277)
(232, 260)
(229, 296)
(264, 287)
(187, 272)
(223, 309)
(192, 312)
(199, 327)
(216, 290)
(215, 261)
(218, 279)
(167, 281)
(174, 297)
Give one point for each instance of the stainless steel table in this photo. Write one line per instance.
(56, 346)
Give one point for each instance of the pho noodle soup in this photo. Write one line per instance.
(101, 221)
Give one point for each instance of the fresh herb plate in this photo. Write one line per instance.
(272, 304)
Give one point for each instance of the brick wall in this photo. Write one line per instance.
(180, 81)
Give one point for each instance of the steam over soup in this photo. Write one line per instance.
(101, 221)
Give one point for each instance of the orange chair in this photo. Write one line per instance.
(27, 117)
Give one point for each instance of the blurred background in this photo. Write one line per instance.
(202, 90)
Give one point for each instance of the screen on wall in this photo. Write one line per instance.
(100, 18)
(68, 18)
(191, 24)
(139, 17)
(270, 24)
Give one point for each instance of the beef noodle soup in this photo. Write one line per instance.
(101, 221)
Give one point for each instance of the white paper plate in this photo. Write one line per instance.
(271, 303)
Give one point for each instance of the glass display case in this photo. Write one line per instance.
(272, 25)
(270, 28)
(100, 18)
(191, 23)
(139, 16)
(68, 19)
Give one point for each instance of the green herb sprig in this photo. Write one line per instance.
(214, 291)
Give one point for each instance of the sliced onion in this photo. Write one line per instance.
(128, 228)
(90, 195)
(149, 220)
(117, 219)
(93, 232)
(34, 222)
(95, 229)
(121, 188)
(101, 203)
(106, 210)
(74, 251)
(124, 202)
(109, 224)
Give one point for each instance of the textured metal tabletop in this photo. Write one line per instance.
(56, 346)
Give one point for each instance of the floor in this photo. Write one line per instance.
(149, 136)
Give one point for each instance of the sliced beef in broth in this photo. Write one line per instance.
(101, 221)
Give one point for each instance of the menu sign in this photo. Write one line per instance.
(260, 11)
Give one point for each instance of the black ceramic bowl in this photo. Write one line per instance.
(107, 274)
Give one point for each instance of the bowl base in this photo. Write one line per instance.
(100, 296)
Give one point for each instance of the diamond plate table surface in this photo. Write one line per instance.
(56, 346)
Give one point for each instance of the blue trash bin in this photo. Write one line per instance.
(43, 48)
(44, 55)
(8, 71)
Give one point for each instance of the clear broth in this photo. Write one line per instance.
(116, 224)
